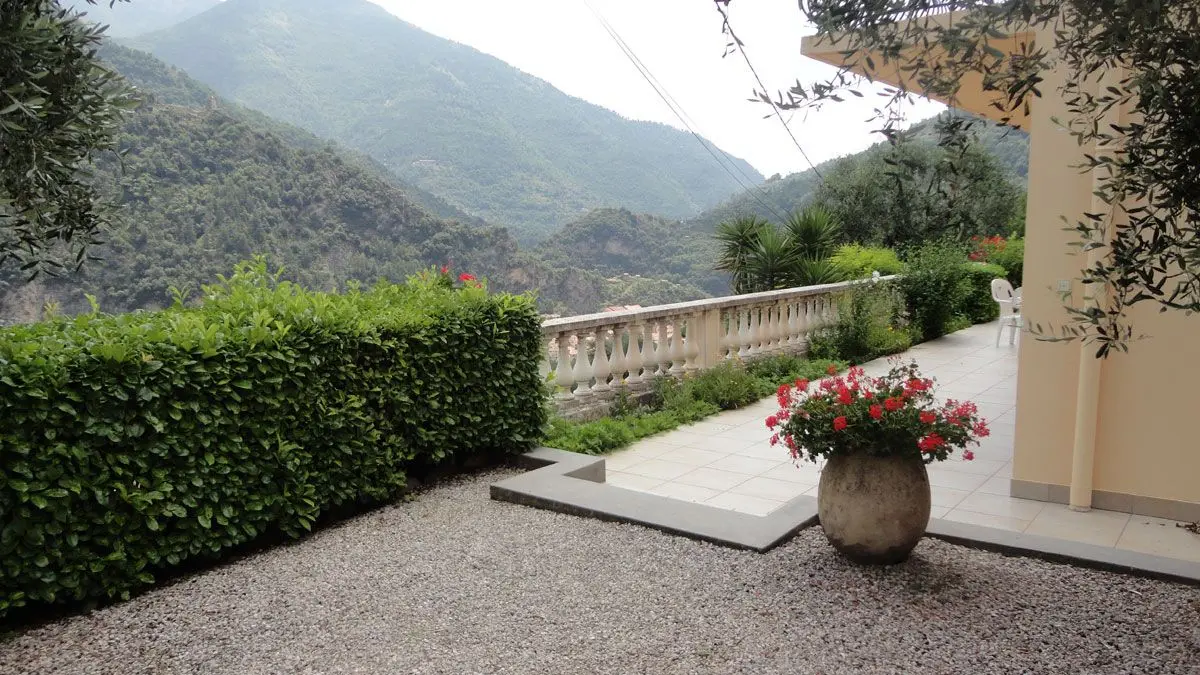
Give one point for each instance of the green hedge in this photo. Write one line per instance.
(132, 444)
(978, 305)
(1012, 259)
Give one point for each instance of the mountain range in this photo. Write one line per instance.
(494, 141)
(205, 181)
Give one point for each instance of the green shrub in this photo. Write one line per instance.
(772, 371)
(591, 438)
(934, 285)
(870, 324)
(131, 444)
(675, 402)
(1012, 259)
(858, 262)
(977, 305)
(956, 323)
(726, 386)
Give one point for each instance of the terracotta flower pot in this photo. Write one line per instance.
(874, 510)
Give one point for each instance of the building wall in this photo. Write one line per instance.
(1148, 443)
(1047, 373)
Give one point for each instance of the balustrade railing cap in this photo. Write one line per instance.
(586, 321)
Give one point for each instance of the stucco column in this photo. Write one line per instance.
(1087, 397)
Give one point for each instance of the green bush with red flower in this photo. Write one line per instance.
(895, 414)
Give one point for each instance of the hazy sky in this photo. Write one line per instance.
(680, 41)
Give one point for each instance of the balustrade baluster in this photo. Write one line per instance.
(650, 350)
(677, 353)
(790, 327)
(583, 368)
(563, 377)
(634, 359)
(778, 327)
(743, 333)
(755, 331)
(600, 365)
(691, 348)
(620, 362)
(800, 331)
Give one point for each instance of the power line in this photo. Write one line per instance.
(667, 99)
(690, 122)
(741, 49)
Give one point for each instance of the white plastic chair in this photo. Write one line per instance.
(1010, 308)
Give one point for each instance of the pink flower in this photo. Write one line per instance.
(774, 439)
(968, 455)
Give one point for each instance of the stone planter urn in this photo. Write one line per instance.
(874, 510)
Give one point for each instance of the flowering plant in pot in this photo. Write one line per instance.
(877, 434)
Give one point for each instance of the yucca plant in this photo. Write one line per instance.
(815, 233)
(739, 239)
(762, 257)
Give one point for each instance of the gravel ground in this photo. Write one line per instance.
(455, 583)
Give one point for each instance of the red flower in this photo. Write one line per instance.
(832, 370)
(445, 269)
(783, 395)
(876, 411)
(931, 443)
(772, 422)
(893, 404)
(869, 396)
(774, 439)
(839, 423)
(466, 277)
(968, 455)
(919, 385)
(981, 429)
(845, 397)
(802, 384)
(928, 417)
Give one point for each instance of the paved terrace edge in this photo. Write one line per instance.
(574, 483)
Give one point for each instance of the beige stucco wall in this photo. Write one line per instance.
(1149, 432)
(1147, 443)
(1047, 373)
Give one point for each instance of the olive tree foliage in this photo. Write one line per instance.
(1139, 55)
(59, 106)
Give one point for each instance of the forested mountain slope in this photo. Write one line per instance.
(488, 138)
(202, 184)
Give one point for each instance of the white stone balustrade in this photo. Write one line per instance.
(594, 356)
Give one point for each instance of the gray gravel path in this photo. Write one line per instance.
(455, 583)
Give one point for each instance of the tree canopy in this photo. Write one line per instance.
(59, 107)
(1116, 54)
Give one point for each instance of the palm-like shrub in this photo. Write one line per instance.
(761, 257)
(738, 239)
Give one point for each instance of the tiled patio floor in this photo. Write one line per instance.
(727, 462)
